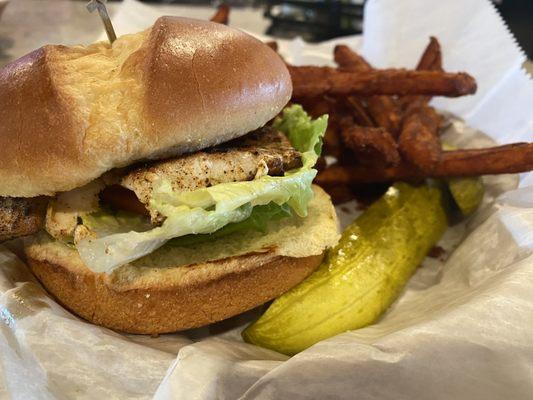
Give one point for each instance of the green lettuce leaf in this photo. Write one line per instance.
(105, 222)
(207, 210)
(257, 221)
(304, 133)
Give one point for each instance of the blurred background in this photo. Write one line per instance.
(28, 24)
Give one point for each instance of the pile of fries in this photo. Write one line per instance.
(381, 127)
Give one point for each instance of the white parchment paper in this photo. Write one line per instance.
(463, 329)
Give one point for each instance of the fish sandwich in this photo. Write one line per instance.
(159, 183)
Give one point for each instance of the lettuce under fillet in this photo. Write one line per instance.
(208, 210)
(258, 221)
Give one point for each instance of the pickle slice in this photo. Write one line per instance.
(361, 276)
(467, 193)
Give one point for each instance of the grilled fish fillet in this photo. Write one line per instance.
(66, 208)
(21, 216)
(263, 152)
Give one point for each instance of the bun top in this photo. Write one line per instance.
(69, 114)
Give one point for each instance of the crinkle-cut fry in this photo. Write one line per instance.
(419, 140)
(384, 110)
(222, 14)
(317, 81)
(507, 159)
(371, 145)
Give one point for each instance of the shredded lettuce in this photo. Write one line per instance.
(207, 210)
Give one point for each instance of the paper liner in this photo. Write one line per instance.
(463, 329)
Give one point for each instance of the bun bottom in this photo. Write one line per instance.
(247, 282)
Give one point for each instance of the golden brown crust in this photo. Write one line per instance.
(71, 113)
(244, 283)
(37, 134)
(210, 78)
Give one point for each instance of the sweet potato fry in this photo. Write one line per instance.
(419, 140)
(317, 81)
(321, 163)
(316, 107)
(431, 59)
(222, 14)
(367, 118)
(332, 140)
(338, 111)
(359, 112)
(349, 60)
(372, 146)
(340, 194)
(349, 174)
(508, 159)
(273, 45)
(384, 110)
(300, 75)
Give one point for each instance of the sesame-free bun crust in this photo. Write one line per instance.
(69, 114)
(212, 292)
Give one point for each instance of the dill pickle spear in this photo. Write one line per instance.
(467, 193)
(361, 276)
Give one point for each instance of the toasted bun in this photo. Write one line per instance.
(213, 291)
(168, 299)
(69, 114)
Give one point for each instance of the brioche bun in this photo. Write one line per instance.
(215, 291)
(69, 114)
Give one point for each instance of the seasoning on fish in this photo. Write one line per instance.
(263, 152)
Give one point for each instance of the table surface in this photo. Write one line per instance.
(28, 24)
